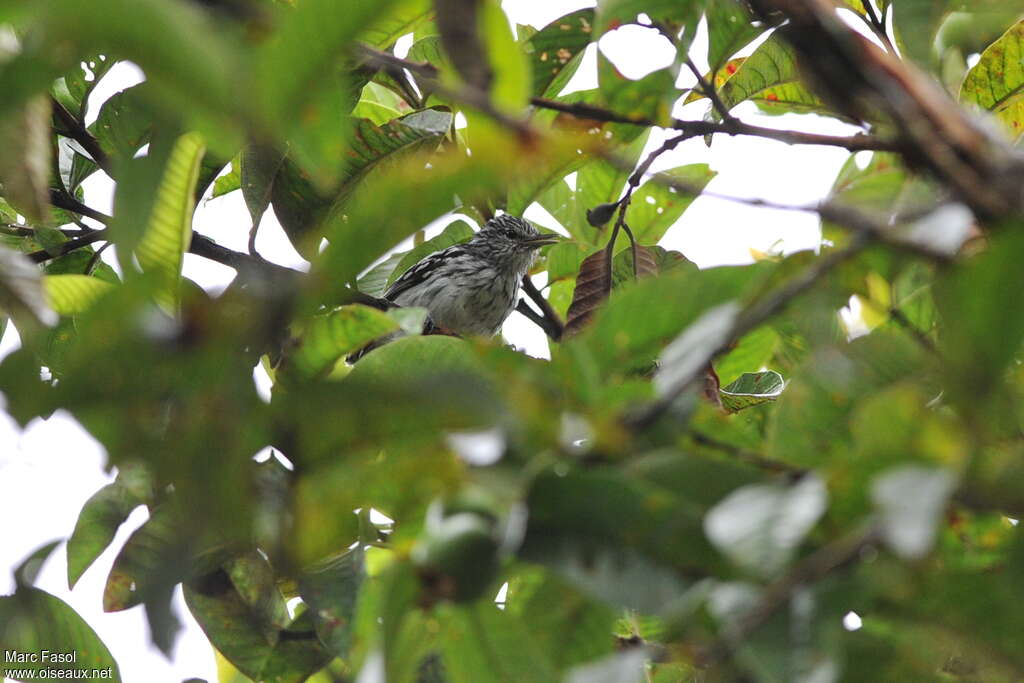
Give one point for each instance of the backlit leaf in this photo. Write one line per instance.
(169, 232)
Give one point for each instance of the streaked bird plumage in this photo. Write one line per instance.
(469, 289)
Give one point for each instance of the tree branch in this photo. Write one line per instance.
(76, 130)
(554, 327)
(63, 248)
(743, 455)
(708, 89)
(63, 200)
(854, 143)
(730, 126)
(539, 320)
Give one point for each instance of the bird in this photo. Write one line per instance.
(469, 289)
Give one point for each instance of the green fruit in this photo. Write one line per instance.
(458, 558)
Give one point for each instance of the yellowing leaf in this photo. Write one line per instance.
(71, 294)
(996, 82)
(162, 247)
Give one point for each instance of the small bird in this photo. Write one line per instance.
(470, 288)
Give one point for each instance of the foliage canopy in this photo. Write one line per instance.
(709, 473)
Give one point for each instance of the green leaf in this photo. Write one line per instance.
(191, 68)
(71, 294)
(650, 97)
(982, 334)
(229, 182)
(601, 182)
(603, 509)
(309, 42)
(455, 233)
(300, 207)
(556, 51)
(481, 643)
(752, 389)
(371, 225)
(333, 335)
(730, 28)
(628, 332)
(101, 516)
(760, 526)
(512, 77)
(751, 354)
(377, 113)
(996, 82)
(243, 614)
(770, 77)
(375, 281)
(33, 622)
(330, 587)
(149, 562)
(259, 168)
(125, 122)
(162, 247)
(405, 17)
(570, 627)
(655, 207)
(612, 13)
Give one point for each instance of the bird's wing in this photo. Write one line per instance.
(423, 270)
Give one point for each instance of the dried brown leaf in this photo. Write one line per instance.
(592, 286)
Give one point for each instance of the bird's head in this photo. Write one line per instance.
(509, 232)
(511, 243)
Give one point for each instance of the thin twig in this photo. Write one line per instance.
(900, 318)
(63, 248)
(632, 183)
(743, 455)
(63, 200)
(733, 126)
(708, 89)
(877, 26)
(91, 265)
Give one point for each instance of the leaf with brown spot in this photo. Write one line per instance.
(592, 287)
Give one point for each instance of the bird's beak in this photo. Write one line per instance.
(541, 241)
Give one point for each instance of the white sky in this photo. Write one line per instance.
(53, 466)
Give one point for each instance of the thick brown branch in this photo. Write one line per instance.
(63, 200)
(554, 326)
(539, 320)
(76, 130)
(860, 79)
